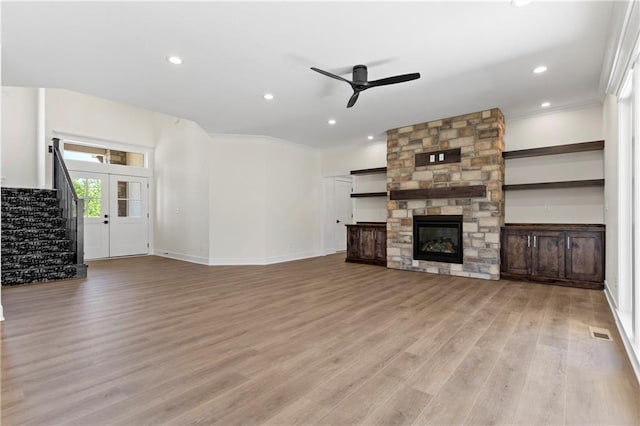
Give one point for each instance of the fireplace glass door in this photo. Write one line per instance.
(437, 238)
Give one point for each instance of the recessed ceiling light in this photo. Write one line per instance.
(268, 96)
(539, 69)
(545, 104)
(370, 137)
(175, 60)
(331, 121)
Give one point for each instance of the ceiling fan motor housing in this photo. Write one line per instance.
(360, 74)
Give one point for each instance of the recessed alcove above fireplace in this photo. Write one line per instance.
(437, 238)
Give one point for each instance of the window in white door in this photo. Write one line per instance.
(91, 190)
(129, 199)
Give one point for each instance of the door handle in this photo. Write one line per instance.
(105, 222)
(528, 241)
(568, 243)
(106, 216)
(337, 221)
(534, 241)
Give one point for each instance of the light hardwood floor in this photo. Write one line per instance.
(318, 341)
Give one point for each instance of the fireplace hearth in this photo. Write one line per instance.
(438, 238)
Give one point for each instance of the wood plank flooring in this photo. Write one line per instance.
(318, 341)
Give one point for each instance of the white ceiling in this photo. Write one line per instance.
(472, 56)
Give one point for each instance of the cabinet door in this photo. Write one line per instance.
(367, 243)
(547, 259)
(381, 244)
(353, 242)
(584, 256)
(516, 256)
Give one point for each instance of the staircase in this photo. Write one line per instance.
(36, 245)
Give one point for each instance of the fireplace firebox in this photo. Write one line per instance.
(437, 238)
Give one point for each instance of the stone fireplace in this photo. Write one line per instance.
(442, 172)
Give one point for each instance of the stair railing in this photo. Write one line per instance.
(72, 206)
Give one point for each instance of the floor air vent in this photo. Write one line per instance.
(600, 333)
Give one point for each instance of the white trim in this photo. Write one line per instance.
(181, 256)
(264, 260)
(635, 362)
(110, 169)
(41, 156)
(1, 313)
(102, 143)
(625, 48)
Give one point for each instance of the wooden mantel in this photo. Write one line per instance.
(468, 191)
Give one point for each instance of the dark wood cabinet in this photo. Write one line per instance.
(367, 243)
(584, 254)
(547, 254)
(564, 254)
(517, 259)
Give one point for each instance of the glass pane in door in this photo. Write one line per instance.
(129, 199)
(91, 191)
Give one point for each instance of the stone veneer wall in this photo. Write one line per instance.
(480, 137)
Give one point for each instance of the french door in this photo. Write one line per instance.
(116, 219)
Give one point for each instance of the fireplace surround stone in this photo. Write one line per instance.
(479, 136)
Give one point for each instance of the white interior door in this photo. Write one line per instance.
(129, 216)
(343, 208)
(94, 188)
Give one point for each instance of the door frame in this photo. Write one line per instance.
(115, 169)
(329, 211)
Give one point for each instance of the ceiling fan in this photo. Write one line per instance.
(360, 82)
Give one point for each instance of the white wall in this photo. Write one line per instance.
(19, 137)
(182, 168)
(340, 161)
(582, 205)
(79, 114)
(265, 200)
(554, 128)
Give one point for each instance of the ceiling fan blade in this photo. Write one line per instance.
(353, 99)
(395, 79)
(328, 74)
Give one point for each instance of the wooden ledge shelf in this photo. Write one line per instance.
(554, 185)
(368, 194)
(448, 192)
(552, 150)
(376, 170)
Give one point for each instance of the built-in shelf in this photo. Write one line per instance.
(368, 194)
(554, 185)
(376, 170)
(553, 150)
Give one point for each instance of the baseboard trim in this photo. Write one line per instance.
(263, 260)
(236, 261)
(181, 256)
(635, 363)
